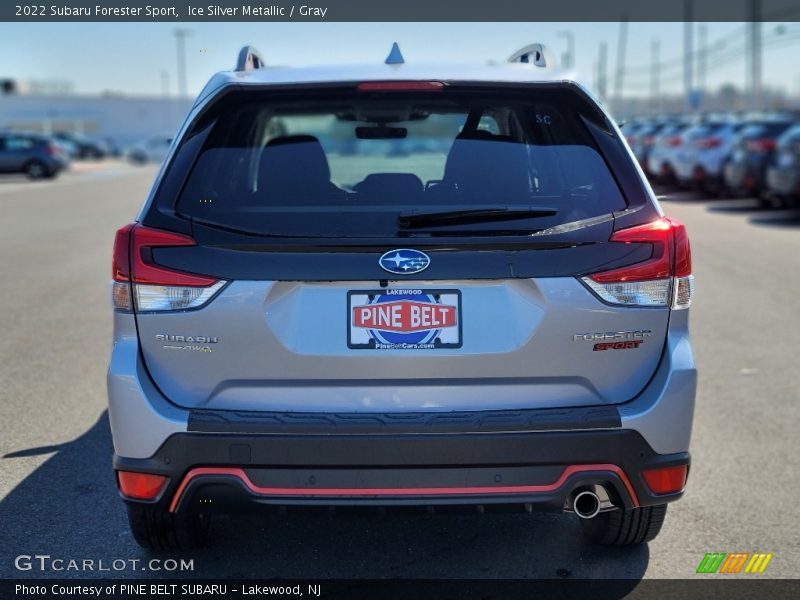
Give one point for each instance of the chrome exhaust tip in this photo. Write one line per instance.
(586, 504)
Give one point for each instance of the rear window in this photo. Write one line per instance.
(356, 165)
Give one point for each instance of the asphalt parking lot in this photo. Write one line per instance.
(57, 493)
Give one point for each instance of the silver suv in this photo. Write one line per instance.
(397, 285)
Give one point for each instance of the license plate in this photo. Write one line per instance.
(403, 319)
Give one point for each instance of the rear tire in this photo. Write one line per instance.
(158, 529)
(36, 169)
(626, 527)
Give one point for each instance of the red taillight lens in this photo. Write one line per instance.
(663, 279)
(121, 261)
(51, 149)
(400, 86)
(658, 266)
(155, 288)
(132, 260)
(682, 262)
(707, 143)
(667, 480)
(141, 486)
(144, 270)
(761, 145)
(674, 141)
(648, 140)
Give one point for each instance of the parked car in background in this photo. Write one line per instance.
(642, 140)
(662, 156)
(783, 176)
(153, 150)
(701, 159)
(112, 147)
(745, 173)
(37, 156)
(82, 146)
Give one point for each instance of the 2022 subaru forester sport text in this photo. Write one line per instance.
(391, 285)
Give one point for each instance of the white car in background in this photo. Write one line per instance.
(661, 159)
(701, 159)
(152, 150)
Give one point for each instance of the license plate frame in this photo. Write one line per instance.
(438, 305)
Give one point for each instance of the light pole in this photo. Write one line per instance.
(569, 55)
(180, 44)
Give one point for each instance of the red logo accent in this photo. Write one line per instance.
(617, 345)
(405, 316)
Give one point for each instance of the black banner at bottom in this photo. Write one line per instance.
(391, 589)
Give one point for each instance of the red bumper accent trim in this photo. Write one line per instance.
(429, 491)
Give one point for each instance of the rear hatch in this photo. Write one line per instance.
(388, 248)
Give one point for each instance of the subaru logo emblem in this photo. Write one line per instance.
(404, 261)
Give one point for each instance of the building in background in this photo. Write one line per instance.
(48, 107)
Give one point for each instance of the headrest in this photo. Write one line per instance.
(292, 165)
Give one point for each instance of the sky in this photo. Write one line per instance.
(139, 58)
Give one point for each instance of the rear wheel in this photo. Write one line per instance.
(158, 529)
(36, 170)
(626, 527)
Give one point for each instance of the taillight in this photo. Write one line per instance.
(674, 141)
(648, 140)
(139, 282)
(664, 279)
(706, 143)
(51, 149)
(400, 86)
(760, 145)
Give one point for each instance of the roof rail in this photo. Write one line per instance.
(249, 59)
(533, 54)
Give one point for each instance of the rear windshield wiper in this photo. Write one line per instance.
(413, 220)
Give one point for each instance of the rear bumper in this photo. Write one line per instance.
(222, 472)
(143, 420)
(784, 182)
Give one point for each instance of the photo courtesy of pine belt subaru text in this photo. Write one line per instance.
(397, 284)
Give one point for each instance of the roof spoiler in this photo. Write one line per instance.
(534, 54)
(249, 59)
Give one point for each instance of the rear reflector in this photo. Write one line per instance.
(400, 86)
(667, 480)
(154, 287)
(664, 279)
(141, 486)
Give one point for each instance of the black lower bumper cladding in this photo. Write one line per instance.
(346, 462)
